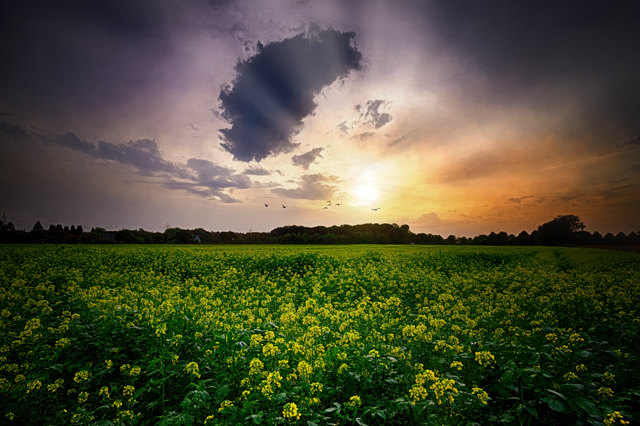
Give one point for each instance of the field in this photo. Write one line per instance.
(350, 335)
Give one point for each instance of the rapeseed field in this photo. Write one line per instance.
(351, 335)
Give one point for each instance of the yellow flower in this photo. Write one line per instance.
(34, 386)
(482, 395)
(82, 398)
(290, 411)
(570, 376)
(192, 368)
(611, 419)
(304, 369)
(135, 371)
(108, 364)
(210, 417)
(354, 401)
(128, 390)
(605, 392)
(225, 404)
(10, 416)
(485, 358)
(105, 391)
(456, 364)
(316, 387)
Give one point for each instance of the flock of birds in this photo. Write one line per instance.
(327, 206)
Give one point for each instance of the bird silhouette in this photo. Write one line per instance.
(376, 209)
(325, 208)
(339, 204)
(284, 207)
(266, 205)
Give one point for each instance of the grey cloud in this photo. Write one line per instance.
(371, 116)
(363, 136)
(274, 91)
(256, 171)
(399, 140)
(634, 140)
(343, 127)
(519, 199)
(305, 160)
(203, 178)
(311, 187)
(196, 189)
(217, 177)
(15, 132)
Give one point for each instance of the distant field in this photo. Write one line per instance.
(318, 335)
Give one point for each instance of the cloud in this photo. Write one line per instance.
(633, 140)
(370, 115)
(197, 176)
(363, 136)
(256, 171)
(305, 160)
(215, 176)
(17, 133)
(311, 187)
(343, 127)
(399, 140)
(518, 200)
(274, 91)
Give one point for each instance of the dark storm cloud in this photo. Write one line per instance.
(371, 116)
(275, 89)
(256, 171)
(311, 187)
(548, 52)
(305, 160)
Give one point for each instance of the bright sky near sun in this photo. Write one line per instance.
(454, 117)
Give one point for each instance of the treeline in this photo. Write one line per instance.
(563, 230)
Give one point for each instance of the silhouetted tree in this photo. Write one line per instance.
(561, 230)
(596, 238)
(37, 227)
(609, 239)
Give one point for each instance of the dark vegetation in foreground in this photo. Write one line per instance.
(565, 230)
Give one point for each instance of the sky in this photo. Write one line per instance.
(454, 117)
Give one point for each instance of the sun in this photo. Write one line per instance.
(366, 193)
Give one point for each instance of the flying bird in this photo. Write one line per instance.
(284, 207)
(339, 204)
(376, 209)
(325, 208)
(266, 205)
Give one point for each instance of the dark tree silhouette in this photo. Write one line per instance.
(561, 230)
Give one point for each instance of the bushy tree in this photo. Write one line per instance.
(560, 231)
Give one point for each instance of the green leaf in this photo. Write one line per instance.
(331, 410)
(139, 392)
(360, 422)
(221, 393)
(554, 404)
(257, 418)
(507, 376)
(556, 393)
(588, 406)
